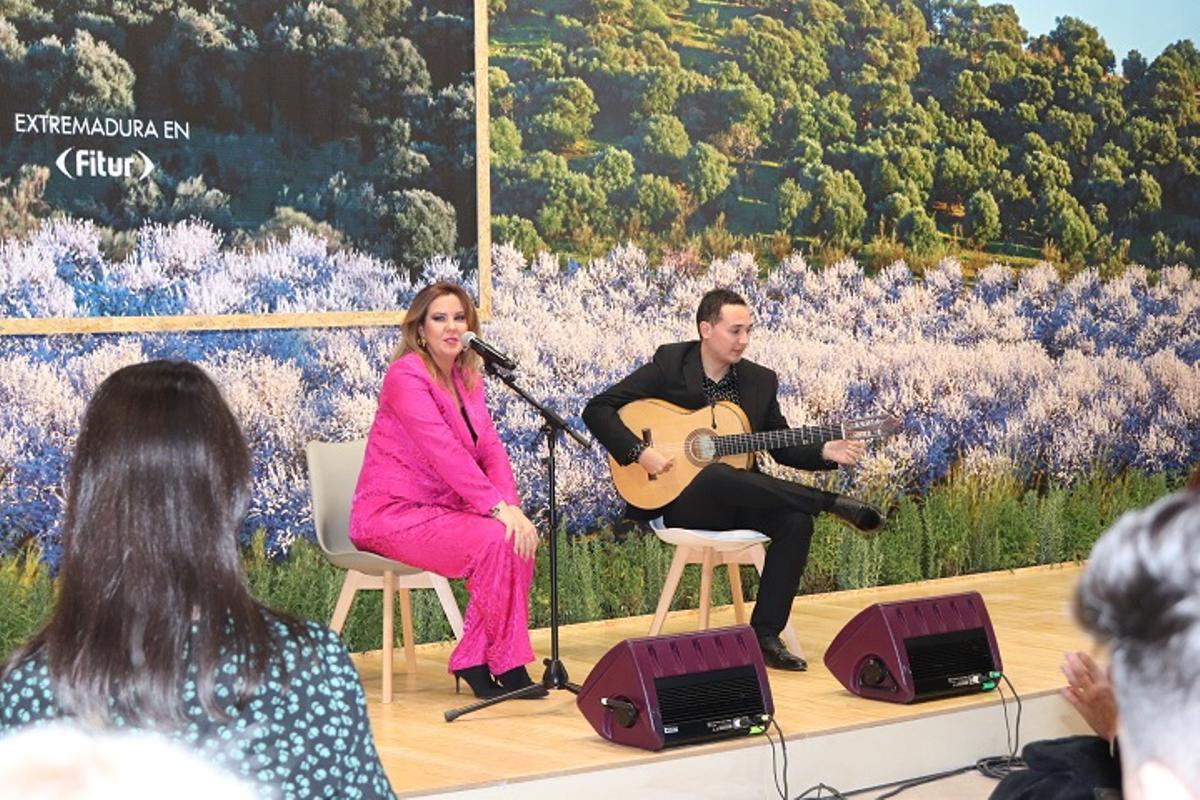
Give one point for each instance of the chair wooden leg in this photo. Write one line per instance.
(406, 625)
(449, 605)
(706, 569)
(674, 573)
(735, 589)
(758, 555)
(345, 599)
(389, 621)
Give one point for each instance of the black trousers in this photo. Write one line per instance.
(722, 497)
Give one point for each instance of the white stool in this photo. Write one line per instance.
(709, 548)
(333, 469)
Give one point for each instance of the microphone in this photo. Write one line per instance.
(489, 353)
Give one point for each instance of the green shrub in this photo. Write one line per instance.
(964, 525)
(26, 593)
(904, 544)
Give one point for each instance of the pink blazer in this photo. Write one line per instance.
(420, 453)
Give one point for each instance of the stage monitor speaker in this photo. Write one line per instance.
(664, 691)
(916, 650)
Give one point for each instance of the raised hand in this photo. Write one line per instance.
(1091, 693)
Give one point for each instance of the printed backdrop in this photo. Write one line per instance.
(352, 120)
(990, 236)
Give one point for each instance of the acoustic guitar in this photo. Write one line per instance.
(720, 432)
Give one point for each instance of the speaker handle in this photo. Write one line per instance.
(626, 712)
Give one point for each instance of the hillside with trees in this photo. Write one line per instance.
(353, 118)
(875, 127)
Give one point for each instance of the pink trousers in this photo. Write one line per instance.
(460, 544)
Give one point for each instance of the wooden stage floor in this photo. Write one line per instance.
(524, 740)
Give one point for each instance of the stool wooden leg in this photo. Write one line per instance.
(735, 589)
(706, 568)
(344, 601)
(389, 621)
(674, 573)
(406, 625)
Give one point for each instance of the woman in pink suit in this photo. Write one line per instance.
(437, 490)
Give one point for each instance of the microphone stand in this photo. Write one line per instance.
(555, 676)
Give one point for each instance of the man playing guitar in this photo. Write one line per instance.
(694, 375)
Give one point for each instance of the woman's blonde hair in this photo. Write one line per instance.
(411, 342)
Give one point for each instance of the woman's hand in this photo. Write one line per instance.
(518, 529)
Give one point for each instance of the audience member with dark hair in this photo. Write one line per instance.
(153, 626)
(1140, 596)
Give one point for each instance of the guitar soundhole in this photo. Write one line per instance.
(701, 447)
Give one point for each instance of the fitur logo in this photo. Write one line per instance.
(96, 164)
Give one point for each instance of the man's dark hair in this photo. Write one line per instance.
(1140, 594)
(713, 301)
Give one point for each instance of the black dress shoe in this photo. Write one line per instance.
(865, 517)
(776, 655)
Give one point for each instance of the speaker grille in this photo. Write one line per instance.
(712, 695)
(938, 659)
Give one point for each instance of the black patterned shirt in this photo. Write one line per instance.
(714, 392)
(303, 736)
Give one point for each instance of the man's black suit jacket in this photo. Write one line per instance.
(676, 375)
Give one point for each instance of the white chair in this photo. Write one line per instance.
(708, 549)
(333, 469)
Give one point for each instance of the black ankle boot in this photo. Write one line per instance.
(863, 516)
(480, 681)
(518, 678)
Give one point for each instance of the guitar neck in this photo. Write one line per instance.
(736, 443)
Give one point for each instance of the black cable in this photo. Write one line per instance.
(783, 791)
(995, 767)
(908, 783)
(834, 793)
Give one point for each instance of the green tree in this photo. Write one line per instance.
(558, 113)
(707, 173)
(791, 202)
(21, 205)
(656, 203)
(837, 211)
(613, 170)
(1144, 197)
(572, 209)
(662, 143)
(416, 225)
(982, 223)
(918, 230)
(506, 141)
(1067, 224)
(518, 232)
(96, 79)
(609, 12)
(646, 15)
(198, 69)
(955, 177)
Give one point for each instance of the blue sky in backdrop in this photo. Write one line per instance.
(1145, 25)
